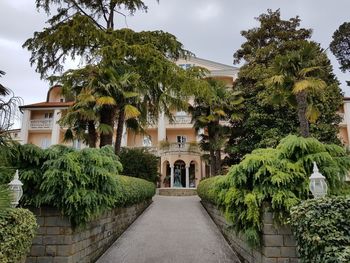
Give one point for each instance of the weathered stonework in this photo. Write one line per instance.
(278, 246)
(57, 242)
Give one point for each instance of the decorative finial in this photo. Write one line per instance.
(315, 168)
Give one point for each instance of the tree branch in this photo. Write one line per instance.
(87, 15)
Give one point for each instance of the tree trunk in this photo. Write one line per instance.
(212, 162)
(212, 140)
(107, 117)
(92, 134)
(119, 135)
(301, 99)
(218, 162)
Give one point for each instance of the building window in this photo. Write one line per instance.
(48, 115)
(61, 100)
(147, 141)
(45, 143)
(181, 141)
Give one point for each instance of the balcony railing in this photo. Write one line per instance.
(180, 147)
(41, 124)
(182, 119)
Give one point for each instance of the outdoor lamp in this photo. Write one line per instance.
(318, 185)
(15, 187)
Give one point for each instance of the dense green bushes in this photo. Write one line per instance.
(139, 163)
(277, 178)
(322, 230)
(208, 189)
(17, 229)
(134, 190)
(81, 184)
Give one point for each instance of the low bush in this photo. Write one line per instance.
(208, 189)
(140, 163)
(134, 190)
(277, 179)
(81, 184)
(322, 230)
(17, 229)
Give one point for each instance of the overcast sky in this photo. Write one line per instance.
(208, 28)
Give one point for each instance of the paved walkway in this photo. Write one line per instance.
(171, 230)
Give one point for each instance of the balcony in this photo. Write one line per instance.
(41, 124)
(176, 148)
(182, 119)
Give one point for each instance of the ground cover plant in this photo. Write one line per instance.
(322, 229)
(276, 178)
(81, 184)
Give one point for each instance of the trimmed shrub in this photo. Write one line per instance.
(81, 184)
(208, 189)
(17, 229)
(322, 230)
(140, 163)
(134, 190)
(277, 179)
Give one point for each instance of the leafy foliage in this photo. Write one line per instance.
(139, 163)
(340, 46)
(321, 227)
(81, 184)
(17, 229)
(264, 122)
(277, 178)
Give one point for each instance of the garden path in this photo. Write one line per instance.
(171, 230)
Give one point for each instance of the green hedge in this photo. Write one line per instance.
(17, 229)
(82, 184)
(322, 230)
(208, 189)
(276, 177)
(134, 190)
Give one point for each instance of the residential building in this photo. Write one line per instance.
(175, 142)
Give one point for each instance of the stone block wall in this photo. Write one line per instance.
(278, 246)
(58, 242)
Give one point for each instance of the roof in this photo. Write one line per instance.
(48, 105)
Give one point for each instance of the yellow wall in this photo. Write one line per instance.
(136, 140)
(35, 138)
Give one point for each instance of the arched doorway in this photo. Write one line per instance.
(192, 174)
(179, 174)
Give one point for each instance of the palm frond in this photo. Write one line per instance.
(313, 84)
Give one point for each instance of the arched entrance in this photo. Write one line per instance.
(179, 174)
(192, 174)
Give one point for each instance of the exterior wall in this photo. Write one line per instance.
(57, 241)
(343, 135)
(279, 245)
(190, 134)
(36, 138)
(39, 114)
(55, 94)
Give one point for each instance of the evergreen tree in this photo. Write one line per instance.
(265, 123)
(85, 29)
(340, 46)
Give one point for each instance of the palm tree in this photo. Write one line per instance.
(208, 112)
(295, 76)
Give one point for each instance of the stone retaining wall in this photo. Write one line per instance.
(279, 245)
(58, 242)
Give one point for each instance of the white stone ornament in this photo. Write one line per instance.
(15, 187)
(318, 185)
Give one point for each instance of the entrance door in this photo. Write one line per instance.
(179, 174)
